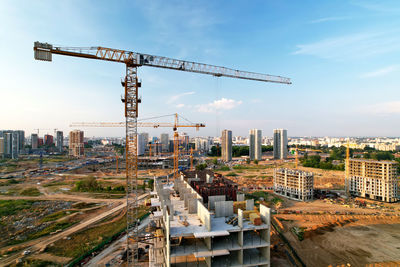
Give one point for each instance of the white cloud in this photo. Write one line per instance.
(384, 108)
(180, 105)
(380, 72)
(176, 97)
(329, 19)
(216, 105)
(353, 46)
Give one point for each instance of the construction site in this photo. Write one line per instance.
(160, 203)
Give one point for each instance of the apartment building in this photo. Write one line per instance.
(373, 179)
(76, 145)
(294, 184)
(226, 145)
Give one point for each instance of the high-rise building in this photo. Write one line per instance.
(76, 145)
(1, 147)
(34, 141)
(184, 141)
(373, 179)
(164, 142)
(21, 142)
(202, 144)
(295, 184)
(141, 144)
(280, 144)
(146, 137)
(59, 141)
(255, 144)
(40, 141)
(15, 145)
(48, 140)
(226, 145)
(12, 146)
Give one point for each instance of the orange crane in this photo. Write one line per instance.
(131, 100)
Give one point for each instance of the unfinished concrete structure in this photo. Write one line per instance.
(294, 184)
(373, 179)
(76, 145)
(207, 234)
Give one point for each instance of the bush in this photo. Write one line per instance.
(31, 191)
(231, 174)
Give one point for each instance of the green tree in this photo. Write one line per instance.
(255, 161)
(201, 167)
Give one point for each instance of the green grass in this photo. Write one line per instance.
(31, 192)
(56, 183)
(256, 195)
(57, 215)
(35, 263)
(250, 176)
(83, 205)
(10, 207)
(231, 174)
(223, 168)
(85, 240)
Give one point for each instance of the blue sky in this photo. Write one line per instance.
(342, 56)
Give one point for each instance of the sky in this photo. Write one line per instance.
(343, 58)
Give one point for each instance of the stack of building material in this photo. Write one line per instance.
(246, 213)
(239, 205)
(255, 218)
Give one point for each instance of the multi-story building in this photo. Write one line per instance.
(202, 144)
(12, 145)
(226, 145)
(192, 231)
(255, 139)
(280, 144)
(48, 140)
(34, 141)
(76, 143)
(21, 142)
(164, 142)
(1, 147)
(294, 184)
(59, 141)
(141, 143)
(373, 179)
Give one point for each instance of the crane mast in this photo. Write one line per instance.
(133, 60)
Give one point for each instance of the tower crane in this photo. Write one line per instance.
(131, 84)
(175, 125)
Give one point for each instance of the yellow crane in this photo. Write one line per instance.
(131, 100)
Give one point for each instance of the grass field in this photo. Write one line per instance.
(10, 207)
(31, 192)
(84, 241)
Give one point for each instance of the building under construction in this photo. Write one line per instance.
(294, 184)
(217, 232)
(373, 179)
(76, 145)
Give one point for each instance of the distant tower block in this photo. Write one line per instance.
(280, 144)
(255, 144)
(226, 145)
(76, 146)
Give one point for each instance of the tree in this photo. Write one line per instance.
(201, 167)
(255, 161)
(215, 161)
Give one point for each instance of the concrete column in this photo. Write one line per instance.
(240, 256)
(208, 241)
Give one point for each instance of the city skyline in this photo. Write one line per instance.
(342, 58)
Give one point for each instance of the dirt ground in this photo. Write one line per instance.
(358, 245)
